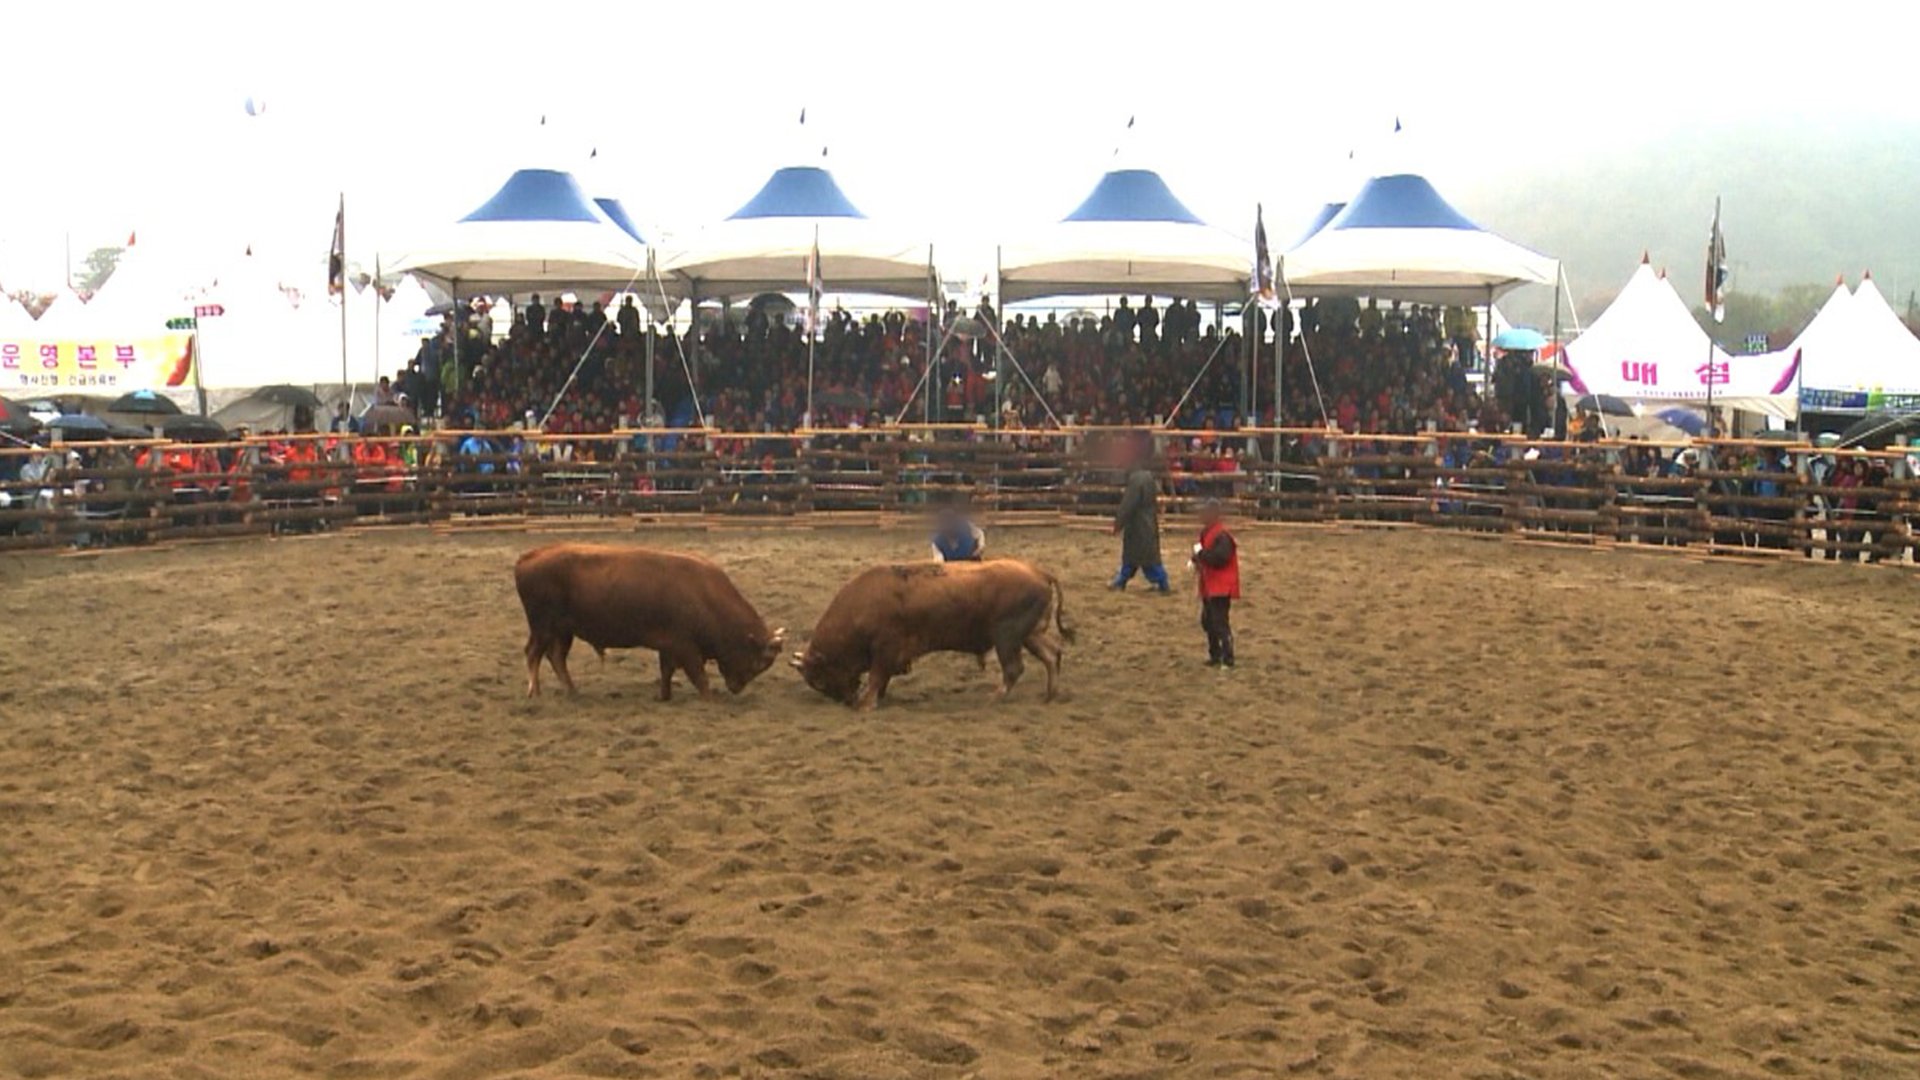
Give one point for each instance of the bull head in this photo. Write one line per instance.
(840, 685)
(743, 671)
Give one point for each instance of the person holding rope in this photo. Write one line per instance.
(1216, 564)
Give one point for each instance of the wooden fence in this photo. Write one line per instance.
(1785, 504)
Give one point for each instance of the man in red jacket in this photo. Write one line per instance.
(1216, 562)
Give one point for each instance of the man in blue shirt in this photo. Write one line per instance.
(955, 539)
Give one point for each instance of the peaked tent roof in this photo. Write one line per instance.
(616, 212)
(1327, 213)
(1857, 343)
(798, 191)
(539, 231)
(1130, 235)
(1399, 238)
(765, 245)
(1647, 347)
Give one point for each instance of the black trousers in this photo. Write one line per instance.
(1216, 618)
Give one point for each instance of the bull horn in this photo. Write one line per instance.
(797, 664)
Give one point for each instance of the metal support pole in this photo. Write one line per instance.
(345, 380)
(1284, 312)
(999, 371)
(646, 404)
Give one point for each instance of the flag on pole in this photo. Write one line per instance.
(1717, 269)
(1262, 262)
(815, 286)
(337, 256)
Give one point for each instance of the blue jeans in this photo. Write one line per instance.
(1156, 575)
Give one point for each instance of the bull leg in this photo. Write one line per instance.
(1047, 651)
(666, 676)
(557, 656)
(536, 650)
(1010, 667)
(877, 678)
(689, 660)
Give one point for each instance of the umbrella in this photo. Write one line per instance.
(1552, 370)
(193, 429)
(144, 403)
(1877, 430)
(1520, 339)
(16, 418)
(290, 396)
(386, 416)
(1604, 404)
(1685, 419)
(77, 427)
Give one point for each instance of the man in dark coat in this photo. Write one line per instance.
(1138, 526)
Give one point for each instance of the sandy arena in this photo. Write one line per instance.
(1467, 809)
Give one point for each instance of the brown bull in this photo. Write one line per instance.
(889, 616)
(682, 606)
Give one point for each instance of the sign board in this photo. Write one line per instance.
(208, 311)
(1756, 344)
(108, 364)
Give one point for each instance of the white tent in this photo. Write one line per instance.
(1856, 346)
(539, 232)
(1399, 239)
(1131, 235)
(1647, 347)
(765, 246)
(157, 280)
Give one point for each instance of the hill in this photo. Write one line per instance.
(1803, 199)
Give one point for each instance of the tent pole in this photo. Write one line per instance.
(933, 351)
(376, 318)
(1284, 313)
(1252, 360)
(999, 404)
(346, 381)
(1559, 398)
(646, 406)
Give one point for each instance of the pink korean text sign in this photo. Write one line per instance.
(113, 365)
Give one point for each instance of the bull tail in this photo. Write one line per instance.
(1060, 609)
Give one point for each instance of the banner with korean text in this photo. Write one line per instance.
(95, 366)
(1766, 383)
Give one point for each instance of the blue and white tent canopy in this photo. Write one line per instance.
(1327, 213)
(1131, 235)
(617, 213)
(1398, 238)
(538, 232)
(764, 246)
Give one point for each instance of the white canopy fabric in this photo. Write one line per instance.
(1399, 239)
(1856, 344)
(765, 246)
(538, 233)
(1647, 347)
(1131, 235)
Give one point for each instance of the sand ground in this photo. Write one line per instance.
(1467, 809)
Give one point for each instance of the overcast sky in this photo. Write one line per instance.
(961, 122)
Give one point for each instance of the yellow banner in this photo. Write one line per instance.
(111, 365)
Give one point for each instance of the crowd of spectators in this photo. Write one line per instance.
(1363, 367)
